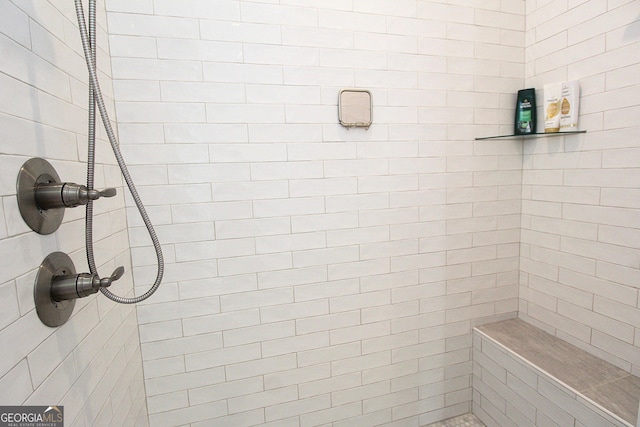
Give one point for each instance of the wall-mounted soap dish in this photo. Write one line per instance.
(355, 107)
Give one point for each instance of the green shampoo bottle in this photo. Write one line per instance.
(525, 122)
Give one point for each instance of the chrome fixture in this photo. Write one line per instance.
(42, 197)
(58, 286)
(68, 194)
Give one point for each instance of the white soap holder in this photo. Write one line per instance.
(355, 108)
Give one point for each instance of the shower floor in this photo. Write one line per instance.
(466, 420)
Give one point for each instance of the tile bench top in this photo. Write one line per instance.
(611, 387)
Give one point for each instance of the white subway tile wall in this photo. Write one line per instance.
(580, 250)
(318, 275)
(92, 365)
(321, 275)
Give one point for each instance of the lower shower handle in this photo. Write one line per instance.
(81, 285)
(58, 286)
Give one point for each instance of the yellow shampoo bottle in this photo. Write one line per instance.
(552, 106)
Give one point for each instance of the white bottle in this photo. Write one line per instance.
(569, 106)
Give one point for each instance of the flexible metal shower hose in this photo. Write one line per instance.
(88, 38)
(91, 156)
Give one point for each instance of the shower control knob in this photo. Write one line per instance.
(58, 286)
(95, 194)
(117, 273)
(43, 197)
(81, 285)
(67, 195)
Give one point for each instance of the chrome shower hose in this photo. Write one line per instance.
(88, 38)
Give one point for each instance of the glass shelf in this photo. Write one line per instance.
(533, 135)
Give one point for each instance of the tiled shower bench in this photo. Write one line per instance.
(523, 377)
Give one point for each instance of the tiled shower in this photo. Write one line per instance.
(318, 275)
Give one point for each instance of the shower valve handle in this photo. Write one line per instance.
(43, 196)
(95, 194)
(81, 285)
(117, 273)
(67, 195)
